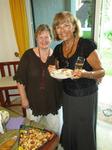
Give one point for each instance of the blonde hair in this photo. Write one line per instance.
(43, 27)
(65, 16)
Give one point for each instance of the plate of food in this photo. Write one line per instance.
(31, 138)
(63, 73)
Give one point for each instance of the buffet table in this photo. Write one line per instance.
(51, 145)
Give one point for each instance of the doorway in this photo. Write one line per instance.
(105, 50)
(103, 28)
(103, 36)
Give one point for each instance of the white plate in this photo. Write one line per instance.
(62, 73)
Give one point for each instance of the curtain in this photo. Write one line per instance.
(19, 18)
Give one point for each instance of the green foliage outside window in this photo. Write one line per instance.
(107, 54)
(108, 35)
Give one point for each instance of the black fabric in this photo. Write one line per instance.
(79, 128)
(41, 101)
(82, 86)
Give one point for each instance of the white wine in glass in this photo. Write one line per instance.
(79, 63)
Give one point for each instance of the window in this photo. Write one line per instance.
(85, 12)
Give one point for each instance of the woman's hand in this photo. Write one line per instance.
(51, 68)
(79, 73)
(24, 99)
(25, 103)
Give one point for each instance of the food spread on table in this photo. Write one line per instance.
(31, 138)
(25, 136)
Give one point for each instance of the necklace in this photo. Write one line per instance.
(70, 51)
(45, 58)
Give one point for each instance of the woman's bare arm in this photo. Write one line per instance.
(97, 73)
(24, 99)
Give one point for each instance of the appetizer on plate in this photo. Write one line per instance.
(63, 73)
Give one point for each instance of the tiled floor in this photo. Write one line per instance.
(105, 91)
(104, 125)
(104, 135)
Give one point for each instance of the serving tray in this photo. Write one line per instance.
(32, 138)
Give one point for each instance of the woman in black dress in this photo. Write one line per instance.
(80, 92)
(40, 93)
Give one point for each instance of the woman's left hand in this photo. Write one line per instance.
(79, 73)
(82, 73)
(51, 68)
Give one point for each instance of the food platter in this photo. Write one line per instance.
(31, 138)
(63, 73)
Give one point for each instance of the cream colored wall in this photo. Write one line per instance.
(7, 38)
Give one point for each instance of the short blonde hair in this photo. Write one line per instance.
(60, 18)
(43, 27)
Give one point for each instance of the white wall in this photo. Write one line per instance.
(30, 23)
(8, 43)
(97, 21)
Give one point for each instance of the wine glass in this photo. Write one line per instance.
(79, 63)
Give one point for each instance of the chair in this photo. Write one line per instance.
(7, 84)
